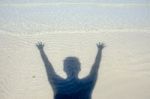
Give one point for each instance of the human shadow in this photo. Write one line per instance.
(72, 87)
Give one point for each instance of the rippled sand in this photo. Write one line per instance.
(124, 72)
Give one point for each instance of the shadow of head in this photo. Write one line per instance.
(72, 66)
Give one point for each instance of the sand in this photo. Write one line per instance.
(124, 71)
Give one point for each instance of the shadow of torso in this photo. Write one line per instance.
(72, 88)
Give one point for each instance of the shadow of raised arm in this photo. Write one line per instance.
(96, 64)
(95, 67)
(48, 66)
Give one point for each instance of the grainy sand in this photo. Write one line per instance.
(124, 72)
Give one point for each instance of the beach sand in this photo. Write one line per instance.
(124, 72)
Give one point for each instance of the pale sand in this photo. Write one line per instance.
(124, 72)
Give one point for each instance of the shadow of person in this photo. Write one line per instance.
(72, 87)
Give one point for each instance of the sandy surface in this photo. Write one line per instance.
(124, 72)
